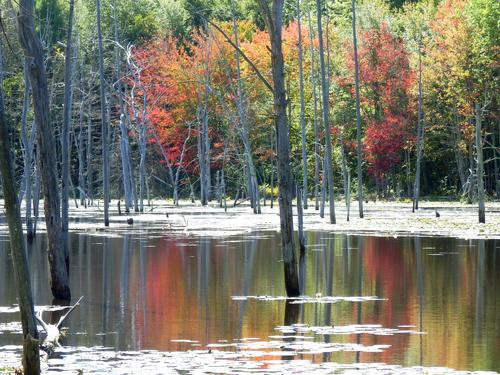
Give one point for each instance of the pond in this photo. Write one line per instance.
(400, 301)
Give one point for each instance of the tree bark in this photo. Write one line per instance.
(104, 123)
(28, 144)
(325, 94)
(359, 147)
(68, 96)
(58, 259)
(90, 170)
(420, 135)
(315, 115)
(273, 19)
(302, 110)
(480, 164)
(31, 356)
(124, 143)
(244, 130)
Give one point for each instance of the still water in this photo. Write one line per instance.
(431, 301)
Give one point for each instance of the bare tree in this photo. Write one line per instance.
(58, 258)
(28, 142)
(315, 115)
(359, 147)
(31, 356)
(420, 132)
(328, 171)
(68, 96)
(302, 110)
(124, 143)
(243, 126)
(104, 123)
(273, 19)
(480, 164)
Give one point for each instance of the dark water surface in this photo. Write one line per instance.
(144, 290)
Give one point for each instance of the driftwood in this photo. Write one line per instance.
(54, 331)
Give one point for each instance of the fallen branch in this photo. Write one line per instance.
(53, 331)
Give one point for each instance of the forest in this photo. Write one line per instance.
(200, 107)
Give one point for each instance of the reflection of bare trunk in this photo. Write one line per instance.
(480, 164)
(31, 359)
(360, 293)
(420, 288)
(480, 269)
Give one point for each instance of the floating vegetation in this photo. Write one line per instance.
(373, 329)
(307, 299)
(102, 360)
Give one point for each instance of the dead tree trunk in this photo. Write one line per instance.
(420, 135)
(28, 144)
(315, 115)
(300, 224)
(104, 123)
(302, 110)
(359, 148)
(273, 20)
(31, 356)
(58, 259)
(480, 164)
(124, 143)
(90, 170)
(68, 96)
(328, 172)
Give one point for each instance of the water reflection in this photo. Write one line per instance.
(144, 291)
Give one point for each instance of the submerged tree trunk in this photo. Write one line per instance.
(480, 164)
(68, 96)
(328, 172)
(104, 123)
(58, 259)
(31, 356)
(359, 147)
(273, 19)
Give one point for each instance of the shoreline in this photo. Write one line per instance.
(456, 220)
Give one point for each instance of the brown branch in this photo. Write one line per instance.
(245, 57)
